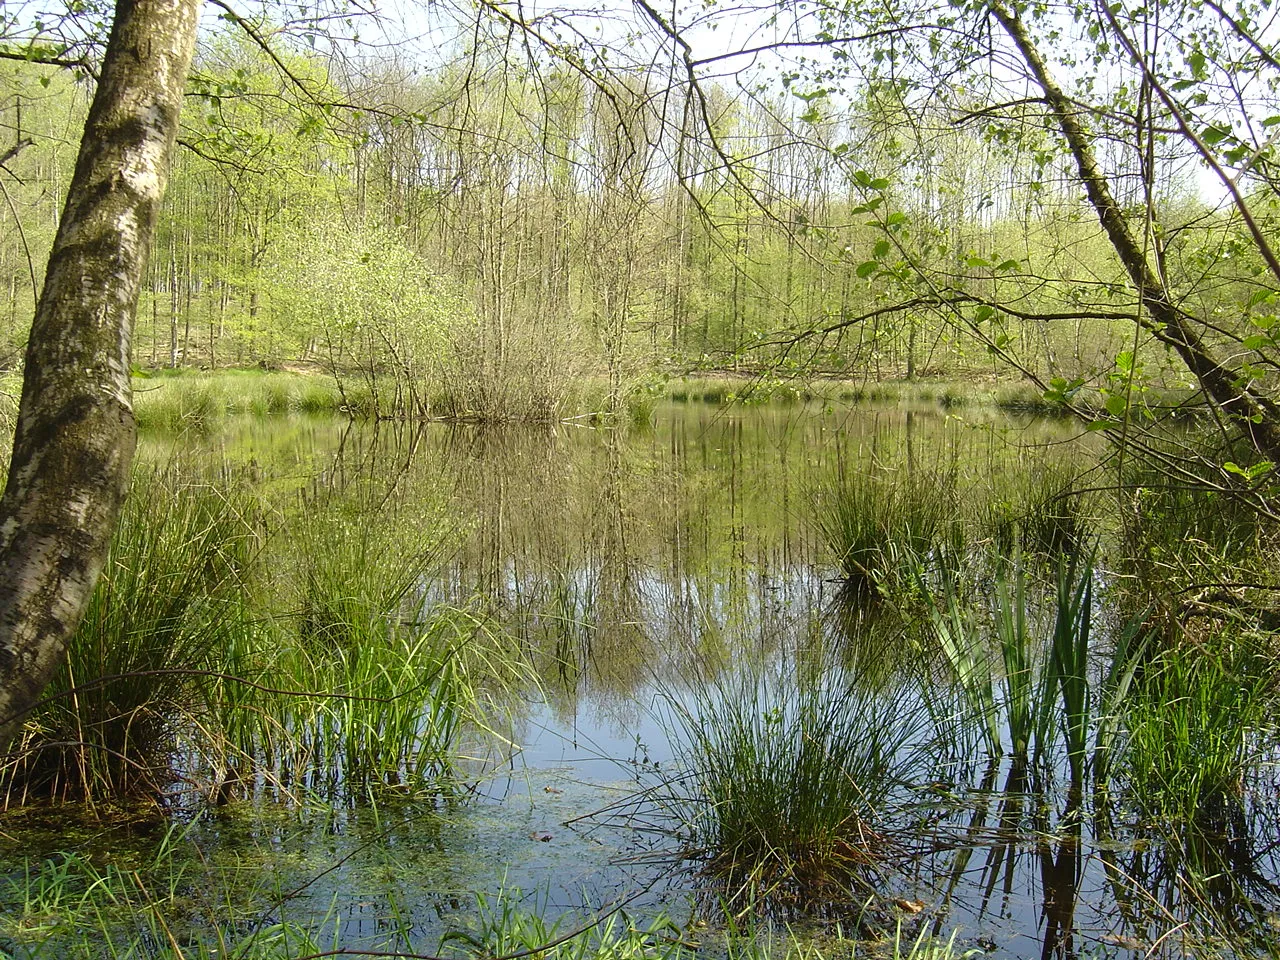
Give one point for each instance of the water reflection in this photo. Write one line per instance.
(629, 564)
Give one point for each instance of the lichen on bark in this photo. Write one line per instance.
(73, 447)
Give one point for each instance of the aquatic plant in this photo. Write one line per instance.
(503, 929)
(383, 712)
(780, 780)
(1068, 662)
(882, 527)
(1195, 725)
(168, 599)
(1046, 680)
(350, 566)
(1046, 510)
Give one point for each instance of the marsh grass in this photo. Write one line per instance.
(192, 665)
(384, 713)
(1197, 721)
(1046, 509)
(883, 528)
(167, 601)
(783, 779)
(170, 904)
(502, 929)
(199, 400)
(354, 568)
(1025, 669)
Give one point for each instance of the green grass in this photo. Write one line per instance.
(781, 782)
(883, 527)
(386, 712)
(1022, 670)
(1045, 508)
(192, 664)
(1197, 722)
(166, 603)
(198, 400)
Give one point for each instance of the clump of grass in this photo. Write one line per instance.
(1027, 670)
(176, 673)
(380, 688)
(782, 781)
(883, 527)
(502, 929)
(164, 606)
(1195, 722)
(385, 712)
(354, 568)
(1045, 510)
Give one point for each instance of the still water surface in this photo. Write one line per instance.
(628, 562)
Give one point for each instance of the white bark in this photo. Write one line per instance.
(75, 437)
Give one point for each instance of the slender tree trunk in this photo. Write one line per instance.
(75, 437)
(1223, 386)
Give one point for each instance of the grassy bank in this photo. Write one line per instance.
(1014, 396)
(186, 399)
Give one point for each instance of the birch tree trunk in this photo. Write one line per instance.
(75, 436)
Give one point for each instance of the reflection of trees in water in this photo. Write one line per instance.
(1164, 890)
(1178, 885)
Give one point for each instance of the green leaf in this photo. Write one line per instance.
(1214, 134)
(880, 183)
(1249, 473)
(983, 314)
(1008, 265)
(1257, 342)
(896, 219)
(1060, 390)
(977, 262)
(881, 250)
(1117, 404)
(867, 269)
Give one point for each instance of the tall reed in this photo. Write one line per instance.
(882, 528)
(384, 712)
(1196, 723)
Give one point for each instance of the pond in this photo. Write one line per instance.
(642, 573)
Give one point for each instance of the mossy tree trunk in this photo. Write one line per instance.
(1226, 386)
(75, 436)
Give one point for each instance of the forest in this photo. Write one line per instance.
(779, 481)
